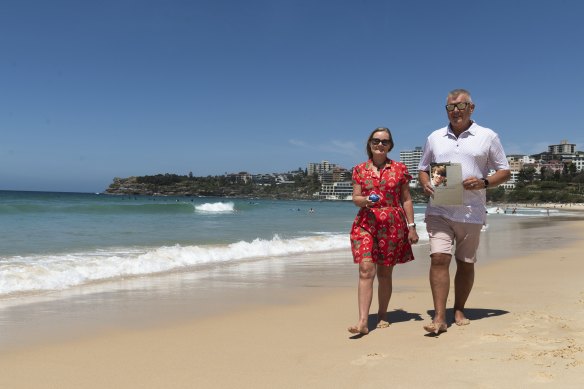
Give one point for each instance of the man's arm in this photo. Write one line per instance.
(424, 179)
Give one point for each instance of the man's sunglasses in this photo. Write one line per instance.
(460, 106)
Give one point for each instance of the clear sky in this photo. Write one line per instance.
(92, 90)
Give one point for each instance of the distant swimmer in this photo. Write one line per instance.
(311, 210)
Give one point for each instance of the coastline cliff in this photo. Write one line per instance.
(218, 186)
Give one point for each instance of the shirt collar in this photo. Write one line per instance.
(369, 165)
(471, 130)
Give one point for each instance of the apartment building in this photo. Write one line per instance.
(411, 158)
(563, 148)
(319, 167)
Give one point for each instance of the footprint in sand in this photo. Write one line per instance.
(368, 359)
(542, 377)
(512, 336)
(491, 338)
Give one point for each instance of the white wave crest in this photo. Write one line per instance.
(58, 272)
(215, 207)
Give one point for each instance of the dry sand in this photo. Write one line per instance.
(527, 330)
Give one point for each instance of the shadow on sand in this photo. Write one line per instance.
(395, 316)
(400, 316)
(473, 314)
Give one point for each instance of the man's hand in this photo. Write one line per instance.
(473, 183)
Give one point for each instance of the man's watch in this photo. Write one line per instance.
(486, 182)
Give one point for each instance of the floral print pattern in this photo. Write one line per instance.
(380, 234)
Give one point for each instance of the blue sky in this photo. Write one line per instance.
(92, 90)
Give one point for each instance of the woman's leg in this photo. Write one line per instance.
(364, 296)
(384, 289)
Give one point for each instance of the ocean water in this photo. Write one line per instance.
(57, 241)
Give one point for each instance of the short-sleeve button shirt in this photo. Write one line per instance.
(478, 150)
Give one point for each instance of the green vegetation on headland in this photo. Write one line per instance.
(531, 187)
(545, 186)
(297, 186)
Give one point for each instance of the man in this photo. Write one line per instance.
(478, 150)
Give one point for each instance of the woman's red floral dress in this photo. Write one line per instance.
(380, 233)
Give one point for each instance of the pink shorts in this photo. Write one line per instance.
(445, 233)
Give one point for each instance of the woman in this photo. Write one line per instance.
(383, 230)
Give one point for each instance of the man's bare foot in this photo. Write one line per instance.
(382, 324)
(460, 319)
(436, 328)
(363, 330)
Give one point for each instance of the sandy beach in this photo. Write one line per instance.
(527, 330)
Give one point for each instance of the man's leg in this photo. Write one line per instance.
(463, 282)
(467, 243)
(384, 274)
(440, 284)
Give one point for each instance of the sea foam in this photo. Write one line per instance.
(58, 272)
(215, 207)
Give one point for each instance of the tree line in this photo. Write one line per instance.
(547, 185)
(566, 186)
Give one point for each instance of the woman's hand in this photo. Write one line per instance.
(413, 235)
(367, 203)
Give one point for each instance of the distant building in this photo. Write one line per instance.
(319, 167)
(411, 158)
(336, 191)
(578, 161)
(337, 174)
(562, 152)
(241, 177)
(563, 148)
(335, 180)
(553, 166)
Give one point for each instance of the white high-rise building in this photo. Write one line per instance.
(411, 158)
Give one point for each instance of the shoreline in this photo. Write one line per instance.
(526, 329)
(181, 295)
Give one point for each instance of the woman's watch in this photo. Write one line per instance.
(411, 225)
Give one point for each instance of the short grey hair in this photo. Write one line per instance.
(460, 91)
